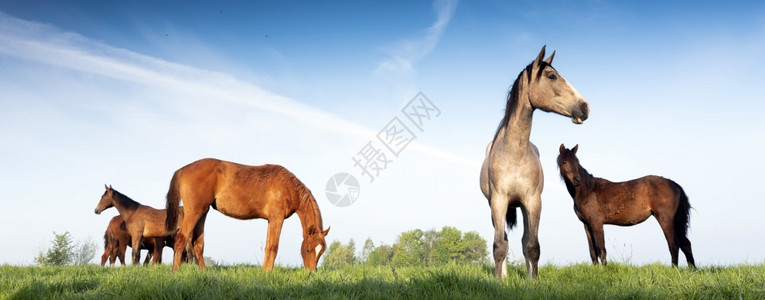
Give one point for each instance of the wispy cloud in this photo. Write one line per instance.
(51, 46)
(408, 52)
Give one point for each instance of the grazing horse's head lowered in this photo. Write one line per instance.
(313, 247)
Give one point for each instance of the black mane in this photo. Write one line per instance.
(125, 201)
(513, 94)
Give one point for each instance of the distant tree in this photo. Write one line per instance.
(63, 251)
(448, 247)
(339, 255)
(474, 248)
(84, 252)
(429, 240)
(380, 256)
(209, 261)
(408, 250)
(60, 253)
(368, 247)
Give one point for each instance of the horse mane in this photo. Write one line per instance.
(308, 206)
(514, 94)
(125, 201)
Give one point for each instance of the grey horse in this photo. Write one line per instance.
(511, 174)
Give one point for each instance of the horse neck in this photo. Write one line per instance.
(587, 181)
(517, 127)
(124, 205)
(309, 214)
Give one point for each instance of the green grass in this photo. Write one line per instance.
(454, 281)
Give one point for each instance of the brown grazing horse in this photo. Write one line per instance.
(140, 221)
(116, 240)
(243, 192)
(598, 201)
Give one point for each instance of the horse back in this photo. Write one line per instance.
(242, 191)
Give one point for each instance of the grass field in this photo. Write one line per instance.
(454, 281)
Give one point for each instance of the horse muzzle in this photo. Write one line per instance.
(580, 113)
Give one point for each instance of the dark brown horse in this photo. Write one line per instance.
(598, 201)
(141, 221)
(243, 192)
(116, 240)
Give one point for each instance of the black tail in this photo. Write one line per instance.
(173, 199)
(511, 217)
(106, 239)
(682, 218)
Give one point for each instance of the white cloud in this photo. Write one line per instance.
(408, 52)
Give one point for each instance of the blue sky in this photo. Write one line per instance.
(126, 93)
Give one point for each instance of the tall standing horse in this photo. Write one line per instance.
(511, 174)
(140, 220)
(243, 192)
(598, 201)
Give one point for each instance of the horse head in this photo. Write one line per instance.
(569, 165)
(106, 200)
(550, 92)
(313, 247)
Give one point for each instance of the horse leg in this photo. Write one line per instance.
(499, 208)
(198, 242)
(105, 256)
(668, 226)
(159, 243)
(185, 233)
(530, 238)
(136, 248)
(272, 242)
(685, 246)
(599, 241)
(149, 256)
(121, 249)
(591, 244)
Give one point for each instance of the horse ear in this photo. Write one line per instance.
(325, 232)
(540, 57)
(562, 149)
(549, 59)
(106, 186)
(110, 187)
(575, 148)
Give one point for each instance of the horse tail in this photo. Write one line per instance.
(173, 200)
(511, 217)
(106, 239)
(682, 217)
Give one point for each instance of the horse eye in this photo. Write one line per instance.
(552, 77)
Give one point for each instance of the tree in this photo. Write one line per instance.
(409, 251)
(380, 256)
(64, 251)
(429, 240)
(448, 246)
(84, 252)
(339, 255)
(60, 253)
(369, 246)
(474, 248)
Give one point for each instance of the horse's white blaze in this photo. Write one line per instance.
(318, 248)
